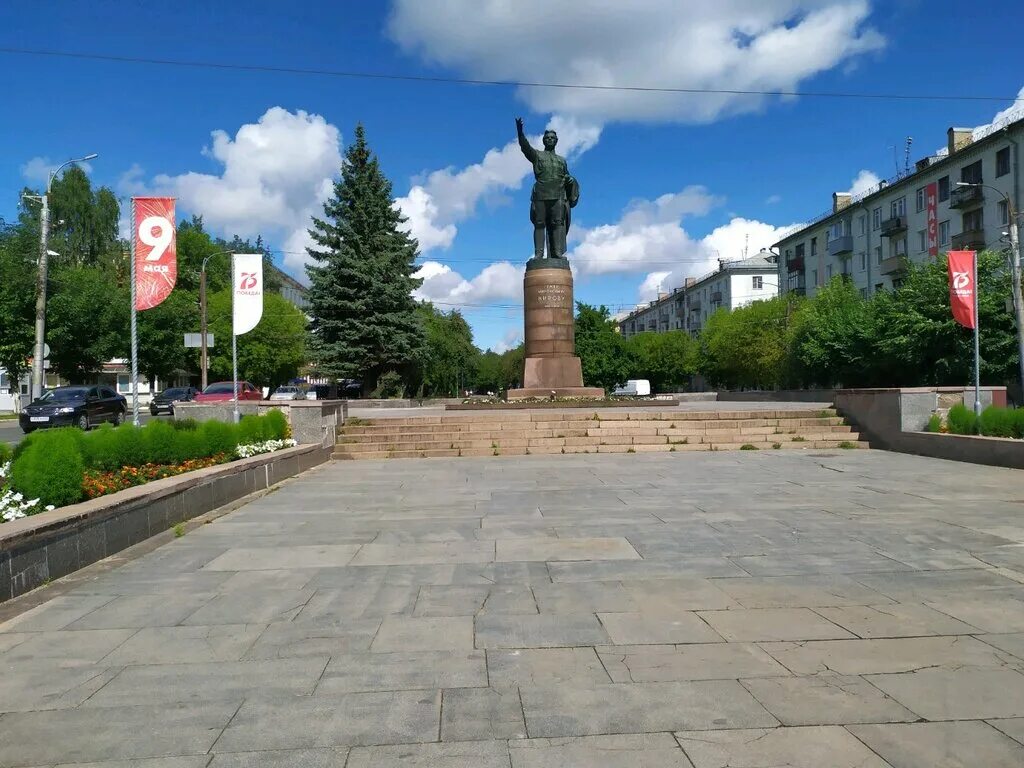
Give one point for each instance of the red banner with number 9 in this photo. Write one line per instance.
(156, 262)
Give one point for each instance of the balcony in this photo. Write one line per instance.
(841, 246)
(798, 284)
(894, 225)
(966, 197)
(894, 265)
(969, 240)
(716, 297)
(694, 305)
(795, 264)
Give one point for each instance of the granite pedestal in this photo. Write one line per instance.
(551, 367)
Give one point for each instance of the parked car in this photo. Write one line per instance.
(81, 407)
(634, 387)
(164, 401)
(222, 391)
(288, 393)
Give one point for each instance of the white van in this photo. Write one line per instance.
(634, 388)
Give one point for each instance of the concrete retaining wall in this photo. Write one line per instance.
(779, 396)
(993, 451)
(49, 545)
(313, 422)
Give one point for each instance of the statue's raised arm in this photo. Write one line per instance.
(524, 144)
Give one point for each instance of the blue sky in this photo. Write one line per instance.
(669, 182)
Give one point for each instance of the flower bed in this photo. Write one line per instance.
(994, 421)
(58, 467)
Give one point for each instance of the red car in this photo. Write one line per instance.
(223, 391)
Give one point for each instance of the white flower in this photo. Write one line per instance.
(268, 446)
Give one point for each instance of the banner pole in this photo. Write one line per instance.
(977, 343)
(234, 342)
(134, 328)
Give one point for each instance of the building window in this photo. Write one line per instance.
(944, 232)
(971, 174)
(758, 282)
(863, 261)
(863, 224)
(1004, 213)
(876, 218)
(814, 277)
(920, 199)
(1003, 162)
(922, 240)
(124, 383)
(878, 254)
(973, 220)
(899, 247)
(944, 189)
(814, 247)
(828, 272)
(898, 208)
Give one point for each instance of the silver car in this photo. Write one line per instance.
(288, 393)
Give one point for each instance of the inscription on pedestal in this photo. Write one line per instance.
(553, 297)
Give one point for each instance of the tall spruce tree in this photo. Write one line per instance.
(364, 322)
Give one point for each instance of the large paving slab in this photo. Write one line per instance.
(827, 609)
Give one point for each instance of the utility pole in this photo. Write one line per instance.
(41, 278)
(202, 326)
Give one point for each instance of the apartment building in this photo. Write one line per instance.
(871, 238)
(734, 284)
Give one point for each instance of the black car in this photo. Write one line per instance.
(81, 407)
(164, 401)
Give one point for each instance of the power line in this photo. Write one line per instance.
(364, 75)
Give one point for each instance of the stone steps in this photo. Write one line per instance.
(522, 433)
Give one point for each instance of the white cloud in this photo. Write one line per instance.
(276, 174)
(512, 338)
(38, 169)
(865, 181)
(773, 199)
(435, 204)
(648, 234)
(699, 44)
(448, 288)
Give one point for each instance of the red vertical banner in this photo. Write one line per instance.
(156, 261)
(962, 287)
(932, 199)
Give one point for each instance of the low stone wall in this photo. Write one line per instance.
(779, 396)
(49, 545)
(313, 422)
(993, 451)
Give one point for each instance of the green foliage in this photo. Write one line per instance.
(831, 340)
(601, 349)
(50, 468)
(179, 530)
(962, 420)
(846, 445)
(5, 453)
(186, 425)
(277, 425)
(268, 355)
(389, 385)
(361, 279)
(449, 358)
(748, 347)
(748, 447)
(110, 448)
(934, 423)
(19, 252)
(251, 429)
(667, 360)
(498, 372)
(218, 437)
(997, 422)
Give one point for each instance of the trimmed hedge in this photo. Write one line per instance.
(994, 421)
(962, 420)
(5, 453)
(50, 464)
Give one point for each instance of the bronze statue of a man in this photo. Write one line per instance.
(555, 194)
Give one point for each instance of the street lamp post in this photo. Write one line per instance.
(1015, 273)
(203, 351)
(44, 253)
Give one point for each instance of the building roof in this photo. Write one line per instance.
(982, 136)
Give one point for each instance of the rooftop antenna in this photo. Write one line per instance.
(906, 155)
(746, 244)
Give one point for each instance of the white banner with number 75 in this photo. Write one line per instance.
(156, 258)
(247, 291)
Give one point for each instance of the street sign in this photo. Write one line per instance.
(196, 340)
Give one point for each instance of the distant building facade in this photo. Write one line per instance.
(734, 284)
(871, 238)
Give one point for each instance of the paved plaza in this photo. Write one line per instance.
(810, 609)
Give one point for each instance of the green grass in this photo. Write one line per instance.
(8, 416)
(776, 446)
(631, 450)
(179, 530)
(934, 423)
(748, 447)
(799, 439)
(847, 445)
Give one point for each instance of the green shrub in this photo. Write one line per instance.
(110, 448)
(159, 441)
(962, 420)
(50, 468)
(1018, 423)
(277, 425)
(996, 422)
(190, 444)
(934, 423)
(186, 425)
(251, 429)
(748, 447)
(218, 437)
(389, 385)
(5, 453)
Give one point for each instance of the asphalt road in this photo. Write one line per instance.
(11, 433)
